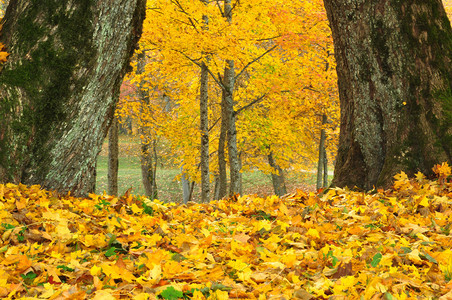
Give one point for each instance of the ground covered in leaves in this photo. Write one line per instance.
(392, 244)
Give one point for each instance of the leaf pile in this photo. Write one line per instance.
(394, 244)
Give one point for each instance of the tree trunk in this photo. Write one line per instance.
(222, 179)
(325, 168)
(322, 156)
(279, 184)
(395, 86)
(57, 89)
(148, 165)
(113, 163)
(187, 186)
(229, 81)
(234, 164)
(204, 128)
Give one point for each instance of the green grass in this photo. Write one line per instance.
(169, 189)
(129, 176)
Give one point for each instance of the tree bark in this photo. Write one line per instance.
(222, 179)
(395, 85)
(113, 162)
(148, 159)
(325, 168)
(187, 186)
(229, 82)
(322, 156)
(278, 180)
(204, 128)
(57, 89)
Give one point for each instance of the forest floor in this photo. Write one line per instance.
(169, 186)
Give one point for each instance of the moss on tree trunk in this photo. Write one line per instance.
(395, 79)
(67, 61)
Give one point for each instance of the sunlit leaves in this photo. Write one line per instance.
(295, 82)
(351, 244)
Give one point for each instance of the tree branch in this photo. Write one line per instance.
(253, 61)
(217, 80)
(250, 104)
(177, 3)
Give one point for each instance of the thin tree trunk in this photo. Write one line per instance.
(204, 128)
(187, 186)
(229, 81)
(58, 87)
(148, 173)
(395, 85)
(278, 180)
(113, 152)
(222, 175)
(204, 123)
(325, 169)
(322, 157)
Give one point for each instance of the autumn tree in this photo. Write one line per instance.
(395, 85)
(66, 63)
(268, 83)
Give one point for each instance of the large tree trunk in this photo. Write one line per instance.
(113, 153)
(58, 87)
(394, 64)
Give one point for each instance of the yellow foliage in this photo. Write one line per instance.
(344, 244)
(285, 49)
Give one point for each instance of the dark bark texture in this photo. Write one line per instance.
(394, 64)
(113, 154)
(67, 61)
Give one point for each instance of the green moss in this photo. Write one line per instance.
(379, 36)
(443, 125)
(52, 45)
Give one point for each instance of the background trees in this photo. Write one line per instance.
(271, 75)
(59, 87)
(395, 85)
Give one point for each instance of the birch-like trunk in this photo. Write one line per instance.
(222, 179)
(394, 65)
(57, 89)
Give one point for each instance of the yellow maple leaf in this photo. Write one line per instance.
(414, 256)
(313, 233)
(424, 202)
(3, 55)
(95, 270)
(136, 209)
(104, 295)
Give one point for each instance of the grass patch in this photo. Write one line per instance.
(169, 189)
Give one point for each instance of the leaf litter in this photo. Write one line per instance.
(386, 244)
